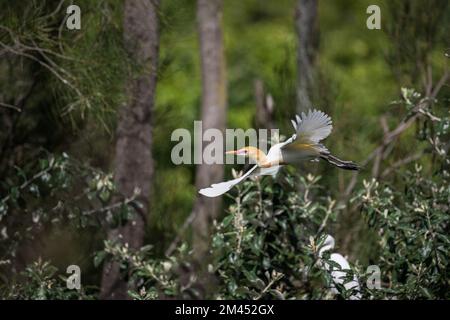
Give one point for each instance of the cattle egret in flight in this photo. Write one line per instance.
(304, 144)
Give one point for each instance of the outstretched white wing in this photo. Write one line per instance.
(218, 189)
(311, 127)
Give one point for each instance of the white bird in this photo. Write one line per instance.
(339, 274)
(304, 144)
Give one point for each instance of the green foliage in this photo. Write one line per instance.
(41, 282)
(415, 29)
(153, 278)
(59, 192)
(267, 246)
(412, 222)
(84, 70)
(267, 243)
(413, 245)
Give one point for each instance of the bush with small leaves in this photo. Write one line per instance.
(150, 276)
(268, 245)
(40, 281)
(54, 190)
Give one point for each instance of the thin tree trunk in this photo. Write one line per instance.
(307, 27)
(209, 15)
(133, 158)
(264, 107)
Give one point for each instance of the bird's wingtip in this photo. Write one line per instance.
(294, 124)
(208, 192)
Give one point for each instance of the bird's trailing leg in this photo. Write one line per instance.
(346, 165)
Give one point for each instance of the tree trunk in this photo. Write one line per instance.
(133, 157)
(209, 15)
(264, 107)
(307, 27)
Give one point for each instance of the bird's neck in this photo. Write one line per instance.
(260, 157)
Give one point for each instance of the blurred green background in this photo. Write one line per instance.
(360, 73)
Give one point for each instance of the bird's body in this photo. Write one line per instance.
(303, 145)
(339, 274)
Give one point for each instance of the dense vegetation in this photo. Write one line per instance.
(386, 90)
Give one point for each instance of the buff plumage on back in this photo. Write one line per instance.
(312, 127)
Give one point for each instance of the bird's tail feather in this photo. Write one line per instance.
(346, 165)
